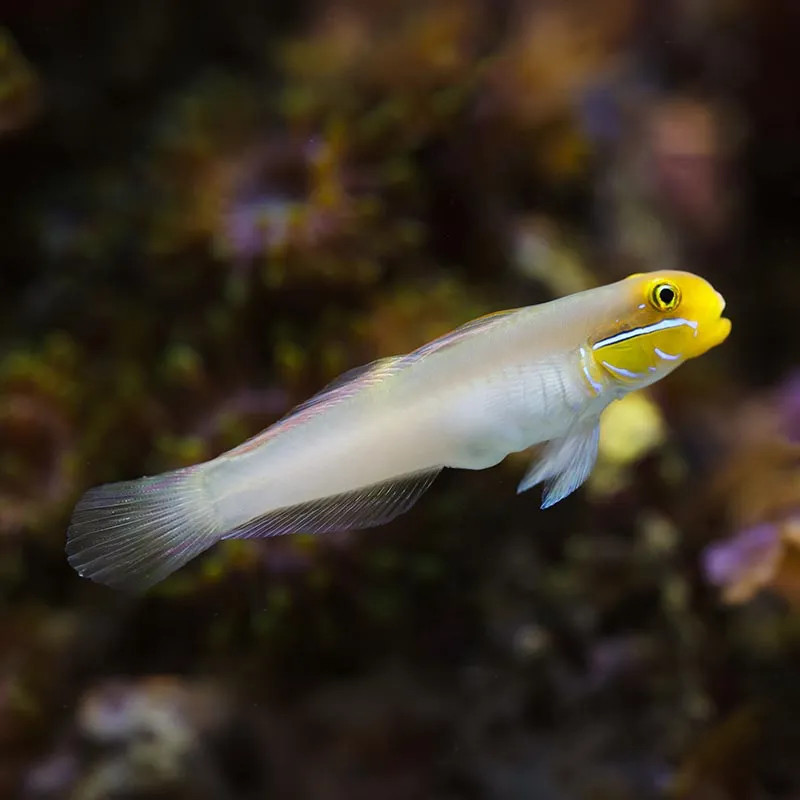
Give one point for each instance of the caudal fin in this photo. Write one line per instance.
(132, 534)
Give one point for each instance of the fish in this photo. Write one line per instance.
(364, 449)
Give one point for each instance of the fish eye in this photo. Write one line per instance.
(665, 296)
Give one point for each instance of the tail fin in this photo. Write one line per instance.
(131, 535)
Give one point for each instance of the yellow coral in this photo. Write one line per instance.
(630, 428)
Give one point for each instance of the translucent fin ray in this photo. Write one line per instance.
(132, 534)
(359, 379)
(370, 506)
(565, 464)
(342, 388)
(465, 331)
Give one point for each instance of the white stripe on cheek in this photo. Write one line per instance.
(666, 356)
(623, 373)
(663, 325)
(598, 387)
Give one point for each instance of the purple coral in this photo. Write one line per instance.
(788, 407)
(745, 562)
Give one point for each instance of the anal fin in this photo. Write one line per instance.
(565, 464)
(364, 508)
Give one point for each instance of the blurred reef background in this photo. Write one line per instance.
(209, 209)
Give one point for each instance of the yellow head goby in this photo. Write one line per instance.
(364, 449)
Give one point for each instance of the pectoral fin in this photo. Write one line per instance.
(565, 463)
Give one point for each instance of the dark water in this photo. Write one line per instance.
(208, 210)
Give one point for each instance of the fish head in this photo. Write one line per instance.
(660, 320)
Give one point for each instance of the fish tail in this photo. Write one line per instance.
(132, 534)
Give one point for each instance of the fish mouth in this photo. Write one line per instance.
(723, 325)
(721, 331)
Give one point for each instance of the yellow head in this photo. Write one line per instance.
(662, 319)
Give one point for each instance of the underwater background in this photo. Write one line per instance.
(210, 209)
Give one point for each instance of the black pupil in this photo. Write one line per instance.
(666, 295)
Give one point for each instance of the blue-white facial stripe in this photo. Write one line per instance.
(622, 373)
(662, 325)
(665, 356)
(596, 386)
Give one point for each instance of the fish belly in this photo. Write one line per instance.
(510, 412)
(467, 424)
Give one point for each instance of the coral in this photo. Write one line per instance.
(759, 557)
(158, 737)
(39, 394)
(630, 430)
(758, 487)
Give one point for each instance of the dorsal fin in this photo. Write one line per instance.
(358, 379)
(341, 388)
(350, 383)
(462, 332)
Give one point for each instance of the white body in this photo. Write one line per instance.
(468, 406)
(363, 450)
